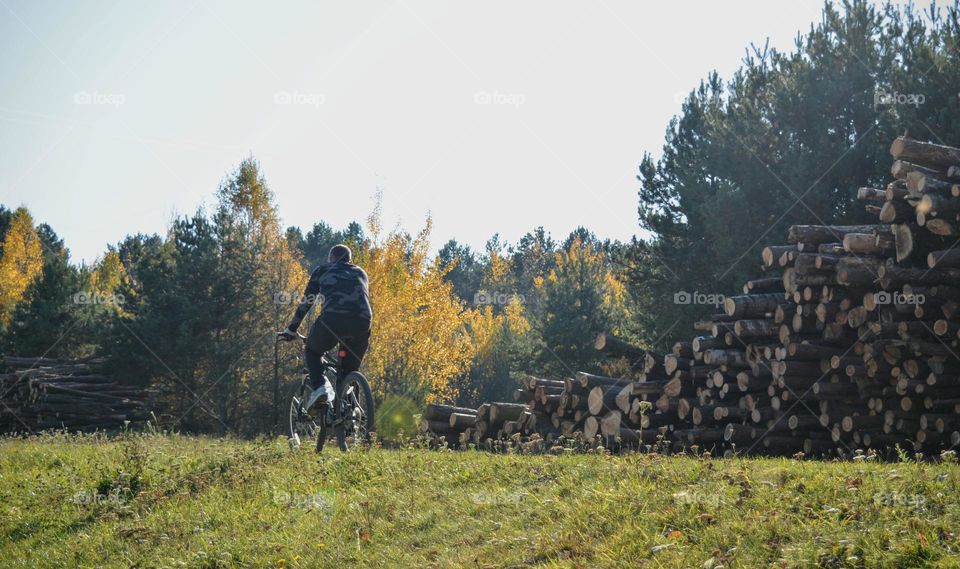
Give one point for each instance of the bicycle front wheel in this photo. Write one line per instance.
(356, 411)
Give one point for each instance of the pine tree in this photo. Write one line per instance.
(581, 297)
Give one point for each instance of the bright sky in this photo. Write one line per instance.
(494, 117)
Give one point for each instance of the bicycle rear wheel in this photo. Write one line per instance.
(356, 417)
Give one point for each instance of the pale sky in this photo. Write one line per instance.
(494, 117)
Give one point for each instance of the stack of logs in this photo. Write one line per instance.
(585, 406)
(852, 346)
(39, 393)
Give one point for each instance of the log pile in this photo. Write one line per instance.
(849, 341)
(38, 394)
(583, 407)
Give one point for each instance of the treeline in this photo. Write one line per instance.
(189, 316)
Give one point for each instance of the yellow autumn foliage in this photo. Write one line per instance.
(419, 343)
(108, 275)
(21, 262)
(580, 266)
(487, 327)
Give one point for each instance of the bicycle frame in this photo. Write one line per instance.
(332, 363)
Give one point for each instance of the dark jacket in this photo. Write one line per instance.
(342, 290)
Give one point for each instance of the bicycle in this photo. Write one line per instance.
(352, 417)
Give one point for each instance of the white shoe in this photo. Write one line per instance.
(324, 393)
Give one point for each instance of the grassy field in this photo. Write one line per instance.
(169, 501)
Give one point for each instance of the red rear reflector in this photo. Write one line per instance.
(343, 353)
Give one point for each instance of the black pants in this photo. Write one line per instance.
(326, 333)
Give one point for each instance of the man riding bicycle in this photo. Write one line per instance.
(345, 318)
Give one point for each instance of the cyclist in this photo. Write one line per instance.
(345, 317)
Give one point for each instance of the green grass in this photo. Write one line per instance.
(169, 501)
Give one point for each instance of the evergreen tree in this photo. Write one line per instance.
(465, 270)
(315, 246)
(581, 297)
(787, 140)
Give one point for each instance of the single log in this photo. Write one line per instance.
(871, 195)
(865, 244)
(533, 383)
(757, 286)
(624, 399)
(733, 358)
(652, 364)
(933, 156)
(434, 426)
(754, 329)
(752, 305)
(941, 227)
(704, 343)
(683, 349)
(672, 363)
(502, 412)
(590, 381)
(436, 412)
(792, 281)
(901, 168)
(673, 387)
(945, 258)
(894, 274)
(522, 395)
(616, 347)
(460, 421)
(771, 255)
(919, 184)
(896, 212)
(816, 234)
(938, 205)
(591, 427)
(610, 424)
(603, 398)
